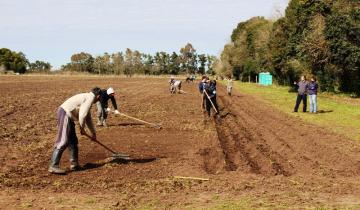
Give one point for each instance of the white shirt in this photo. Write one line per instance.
(78, 107)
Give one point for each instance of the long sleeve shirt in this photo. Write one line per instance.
(104, 98)
(313, 87)
(303, 87)
(78, 107)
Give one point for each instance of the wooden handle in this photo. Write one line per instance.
(211, 102)
(107, 148)
(122, 114)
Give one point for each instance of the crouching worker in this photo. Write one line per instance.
(175, 86)
(103, 107)
(210, 100)
(76, 108)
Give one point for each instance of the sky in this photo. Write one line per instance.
(53, 30)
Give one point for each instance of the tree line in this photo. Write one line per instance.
(134, 62)
(18, 63)
(130, 62)
(315, 38)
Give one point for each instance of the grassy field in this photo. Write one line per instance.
(339, 113)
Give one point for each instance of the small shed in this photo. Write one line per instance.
(265, 78)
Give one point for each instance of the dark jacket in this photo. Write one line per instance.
(104, 97)
(201, 87)
(211, 89)
(313, 87)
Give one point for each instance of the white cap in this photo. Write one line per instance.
(110, 90)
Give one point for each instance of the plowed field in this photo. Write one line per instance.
(253, 155)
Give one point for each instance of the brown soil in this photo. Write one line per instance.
(250, 152)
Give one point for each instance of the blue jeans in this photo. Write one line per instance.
(313, 104)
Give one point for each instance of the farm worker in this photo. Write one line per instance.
(76, 108)
(102, 105)
(313, 88)
(229, 85)
(202, 85)
(175, 85)
(210, 100)
(302, 87)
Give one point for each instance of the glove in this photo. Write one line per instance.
(116, 112)
(108, 109)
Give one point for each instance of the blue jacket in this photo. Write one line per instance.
(201, 87)
(313, 87)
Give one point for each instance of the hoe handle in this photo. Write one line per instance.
(107, 148)
(152, 124)
(211, 102)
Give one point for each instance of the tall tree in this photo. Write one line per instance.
(188, 59)
(82, 62)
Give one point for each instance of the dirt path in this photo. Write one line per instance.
(249, 152)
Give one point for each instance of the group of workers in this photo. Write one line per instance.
(78, 109)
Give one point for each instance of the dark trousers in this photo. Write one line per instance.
(209, 105)
(298, 101)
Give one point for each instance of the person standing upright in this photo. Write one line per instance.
(313, 88)
(229, 85)
(302, 88)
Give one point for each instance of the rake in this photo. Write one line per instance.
(143, 121)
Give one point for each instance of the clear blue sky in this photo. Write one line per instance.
(53, 30)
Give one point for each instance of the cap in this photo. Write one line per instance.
(110, 90)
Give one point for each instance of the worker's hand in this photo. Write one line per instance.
(295, 83)
(108, 109)
(93, 138)
(82, 131)
(116, 112)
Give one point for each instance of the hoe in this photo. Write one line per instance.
(211, 102)
(114, 154)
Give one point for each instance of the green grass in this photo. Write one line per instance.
(339, 113)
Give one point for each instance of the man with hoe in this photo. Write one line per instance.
(76, 108)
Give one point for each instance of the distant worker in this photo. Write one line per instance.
(202, 85)
(302, 88)
(190, 78)
(229, 85)
(313, 89)
(103, 106)
(210, 102)
(76, 108)
(175, 86)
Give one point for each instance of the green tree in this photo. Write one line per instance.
(39, 66)
(13, 61)
(82, 62)
(188, 59)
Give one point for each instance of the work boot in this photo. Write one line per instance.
(99, 122)
(74, 163)
(104, 123)
(55, 161)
